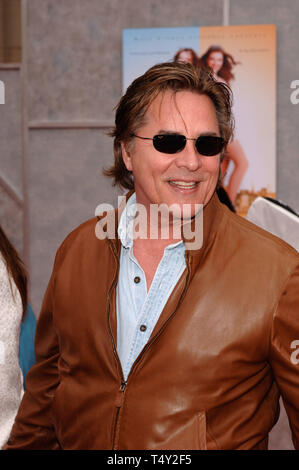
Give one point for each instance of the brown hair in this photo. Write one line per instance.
(15, 267)
(174, 76)
(195, 59)
(228, 62)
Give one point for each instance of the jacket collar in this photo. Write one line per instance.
(212, 218)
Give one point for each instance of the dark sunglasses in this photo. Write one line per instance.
(207, 145)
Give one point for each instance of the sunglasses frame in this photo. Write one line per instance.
(196, 140)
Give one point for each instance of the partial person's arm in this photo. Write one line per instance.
(27, 335)
(33, 428)
(284, 351)
(11, 382)
(236, 153)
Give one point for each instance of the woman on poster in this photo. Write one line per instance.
(186, 54)
(222, 64)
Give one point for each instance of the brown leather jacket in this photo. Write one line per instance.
(210, 375)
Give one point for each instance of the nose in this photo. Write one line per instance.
(189, 158)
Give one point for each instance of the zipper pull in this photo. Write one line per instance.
(120, 395)
(123, 386)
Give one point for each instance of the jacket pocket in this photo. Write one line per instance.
(188, 436)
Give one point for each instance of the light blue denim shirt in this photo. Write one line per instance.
(138, 310)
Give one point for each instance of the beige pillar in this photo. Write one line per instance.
(1, 32)
(10, 31)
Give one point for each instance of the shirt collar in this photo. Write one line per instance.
(125, 227)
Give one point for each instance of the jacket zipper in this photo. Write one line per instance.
(123, 384)
(118, 404)
(121, 391)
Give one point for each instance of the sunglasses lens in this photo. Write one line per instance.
(169, 143)
(209, 145)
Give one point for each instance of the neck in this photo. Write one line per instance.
(153, 246)
(149, 254)
(155, 232)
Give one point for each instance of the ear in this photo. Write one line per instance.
(126, 156)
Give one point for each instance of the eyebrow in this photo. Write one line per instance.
(202, 134)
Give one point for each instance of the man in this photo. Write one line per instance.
(150, 343)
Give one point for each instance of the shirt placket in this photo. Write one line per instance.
(150, 309)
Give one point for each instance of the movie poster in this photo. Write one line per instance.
(244, 57)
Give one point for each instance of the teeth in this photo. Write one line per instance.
(184, 184)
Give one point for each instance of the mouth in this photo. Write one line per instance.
(184, 185)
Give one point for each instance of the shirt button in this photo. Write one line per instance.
(143, 328)
(136, 279)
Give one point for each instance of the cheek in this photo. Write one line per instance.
(212, 165)
(148, 169)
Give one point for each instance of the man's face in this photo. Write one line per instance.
(182, 178)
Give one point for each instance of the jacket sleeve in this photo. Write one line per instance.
(33, 427)
(284, 350)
